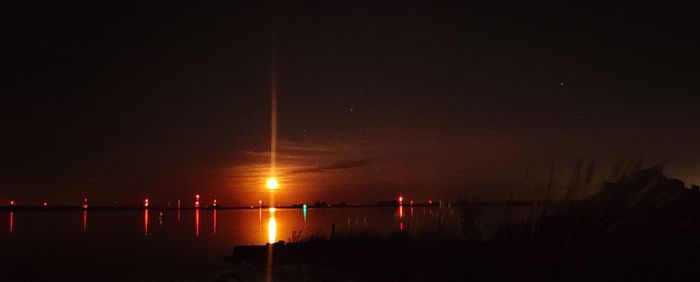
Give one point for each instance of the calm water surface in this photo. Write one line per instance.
(147, 244)
(164, 244)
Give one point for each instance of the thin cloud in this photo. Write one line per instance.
(336, 166)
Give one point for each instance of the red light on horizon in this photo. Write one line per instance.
(12, 203)
(400, 199)
(196, 201)
(85, 203)
(430, 202)
(145, 203)
(44, 204)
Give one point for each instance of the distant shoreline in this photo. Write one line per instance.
(62, 208)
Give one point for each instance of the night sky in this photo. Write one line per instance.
(120, 101)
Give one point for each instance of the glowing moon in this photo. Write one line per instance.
(272, 183)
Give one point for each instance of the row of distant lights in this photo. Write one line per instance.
(197, 203)
(146, 202)
(400, 198)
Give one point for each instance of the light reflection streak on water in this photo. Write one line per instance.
(214, 219)
(401, 217)
(304, 211)
(12, 222)
(179, 210)
(145, 222)
(271, 239)
(85, 222)
(272, 227)
(196, 223)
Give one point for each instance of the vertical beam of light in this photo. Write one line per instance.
(273, 115)
(272, 224)
(85, 221)
(268, 268)
(12, 222)
(273, 105)
(196, 223)
(272, 181)
(145, 222)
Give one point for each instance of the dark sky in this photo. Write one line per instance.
(121, 101)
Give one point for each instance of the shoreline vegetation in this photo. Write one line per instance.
(644, 226)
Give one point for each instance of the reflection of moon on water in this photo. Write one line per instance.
(272, 227)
